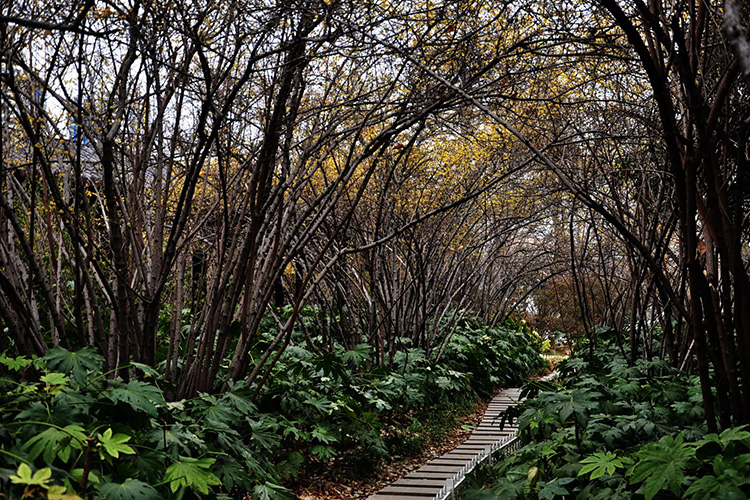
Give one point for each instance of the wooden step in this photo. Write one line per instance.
(459, 456)
(407, 481)
(396, 489)
(425, 482)
(450, 462)
(398, 496)
(435, 476)
(452, 469)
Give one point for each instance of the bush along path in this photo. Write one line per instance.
(69, 431)
(432, 480)
(612, 429)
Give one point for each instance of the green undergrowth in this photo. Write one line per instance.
(611, 430)
(69, 431)
(405, 434)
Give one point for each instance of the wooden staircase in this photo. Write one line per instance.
(427, 482)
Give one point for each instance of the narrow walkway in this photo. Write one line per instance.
(426, 482)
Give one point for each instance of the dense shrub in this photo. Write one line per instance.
(501, 356)
(344, 402)
(615, 430)
(108, 438)
(68, 427)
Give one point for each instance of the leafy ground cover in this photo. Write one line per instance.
(615, 430)
(339, 484)
(71, 431)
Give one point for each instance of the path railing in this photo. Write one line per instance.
(505, 447)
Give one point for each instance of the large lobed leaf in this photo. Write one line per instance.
(77, 363)
(56, 442)
(191, 473)
(270, 491)
(602, 463)
(131, 489)
(139, 395)
(660, 465)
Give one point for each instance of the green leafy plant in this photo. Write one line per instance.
(612, 429)
(602, 463)
(110, 446)
(193, 473)
(662, 465)
(37, 484)
(105, 437)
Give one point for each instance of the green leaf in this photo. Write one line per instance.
(270, 491)
(146, 369)
(39, 478)
(359, 355)
(232, 474)
(131, 489)
(711, 487)
(59, 414)
(241, 402)
(149, 464)
(77, 474)
(55, 379)
(736, 434)
(290, 467)
(139, 395)
(175, 440)
(611, 435)
(554, 488)
(77, 363)
(323, 405)
(264, 435)
(191, 473)
(56, 442)
(730, 475)
(45, 443)
(323, 451)
(290, 429)
(599, 464)
(713, 444)
(16, 363)
(221, 416)
(59, 493)
(661, 465)
(325, 433)
(113, 445)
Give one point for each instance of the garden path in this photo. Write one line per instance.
(427, 482)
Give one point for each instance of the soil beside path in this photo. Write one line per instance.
(330, 486)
